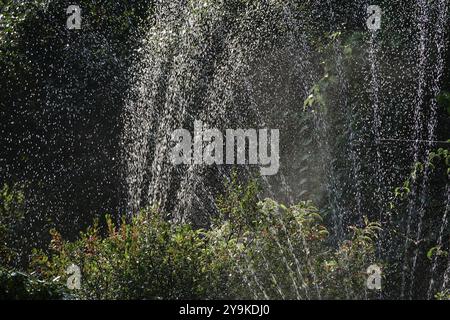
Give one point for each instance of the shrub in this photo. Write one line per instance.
(254, 249)
(20, 286)
(285, 253)
(147, 258)
(11, 215)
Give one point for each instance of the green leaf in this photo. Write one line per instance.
(430, 252)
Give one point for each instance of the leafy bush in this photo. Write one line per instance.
(285, 253)
(255, 249)
(443, 295)
(11, 215)
(147, 258)
(20, 286)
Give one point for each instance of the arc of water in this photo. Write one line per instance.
(244, 277)
(288, 267)
(308, 261)
(376, 126)
(272, 275)
(265, 264)
(438, 72)
(356, 163)
(423, 36)
(333, 187)
(255, 277)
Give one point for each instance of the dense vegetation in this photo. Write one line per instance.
(62, 96)
(257, 249)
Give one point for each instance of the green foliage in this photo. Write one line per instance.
(316, 97)
(147, 258)
(436, 252)
(435, 158)
(443, 295)
(20, 286)
(11, 214)
(347, 47)
(13, 13)
(289, 256)
(255, 249)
